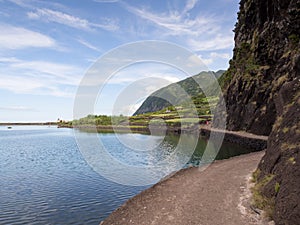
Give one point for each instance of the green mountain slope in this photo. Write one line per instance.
(179, 93)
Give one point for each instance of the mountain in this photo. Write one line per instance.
(262, 96)
(174, 94)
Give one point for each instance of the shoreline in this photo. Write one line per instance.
(256, 142)
(242, 138)
(136, 210)
(30, 124)
(195, 196)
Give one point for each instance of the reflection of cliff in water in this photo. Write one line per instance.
(226, 151)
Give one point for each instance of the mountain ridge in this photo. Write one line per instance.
(172, 95)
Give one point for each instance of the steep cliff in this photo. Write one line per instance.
(266, 55)
(262, 92)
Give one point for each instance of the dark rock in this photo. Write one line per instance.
(266, 55)
(263, 95)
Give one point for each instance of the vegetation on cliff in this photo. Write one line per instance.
(262, 92)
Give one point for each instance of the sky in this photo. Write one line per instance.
(46, 47)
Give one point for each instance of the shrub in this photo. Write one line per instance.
(277, 187)
(261, 201)
(294, 39)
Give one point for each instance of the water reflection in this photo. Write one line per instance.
(46, 180)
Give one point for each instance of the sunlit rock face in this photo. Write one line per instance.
(262, 95)
(266, 56)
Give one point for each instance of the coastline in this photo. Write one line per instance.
(194, 196)
(30, 124)
(230, 177)
(242, 138)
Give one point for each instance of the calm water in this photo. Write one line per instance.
(45, 180)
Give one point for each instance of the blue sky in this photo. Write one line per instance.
(47, 46)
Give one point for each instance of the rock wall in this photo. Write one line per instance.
(266, 55)
(282, 158)
(262, 96)
(255, 143)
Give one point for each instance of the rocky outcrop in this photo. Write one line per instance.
(262, 92)
(266, 56)
(282, 158)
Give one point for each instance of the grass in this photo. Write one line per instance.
(288, 146)
(261, 201)
(255, 175)
(285, 130)
(184, 120)
(294, 39)
(178, 116)
(292, 160)
(277, 187)
(136, 127)
(164, 115)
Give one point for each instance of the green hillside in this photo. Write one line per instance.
(178, 94)
(156, 111)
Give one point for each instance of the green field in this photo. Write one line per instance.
(184, 115)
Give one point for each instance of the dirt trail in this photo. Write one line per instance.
(217, 195)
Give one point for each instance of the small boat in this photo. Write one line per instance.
(9, 127)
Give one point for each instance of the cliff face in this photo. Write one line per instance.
(282, 158)
(266, 55)
(262, 92)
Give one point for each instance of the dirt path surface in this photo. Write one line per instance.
(218, 195)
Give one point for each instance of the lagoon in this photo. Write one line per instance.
(46, 180)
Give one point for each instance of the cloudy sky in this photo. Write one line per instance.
(46, 47)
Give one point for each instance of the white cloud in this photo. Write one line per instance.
(217, 42)
(220, 55)
(21, 3)
(141, 71)
(134, 73)
(49, 15)
(128, 78)
(190, 5)
(16, 108)
(88, 45)
(59, 17)
(65, 74)
(206, 61)
(19, 38)
(19, 84)
(214, 56)
(174, 22)
(9, 60)
(39, 77)
(200, 31)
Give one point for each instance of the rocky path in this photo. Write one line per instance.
(217, 195)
